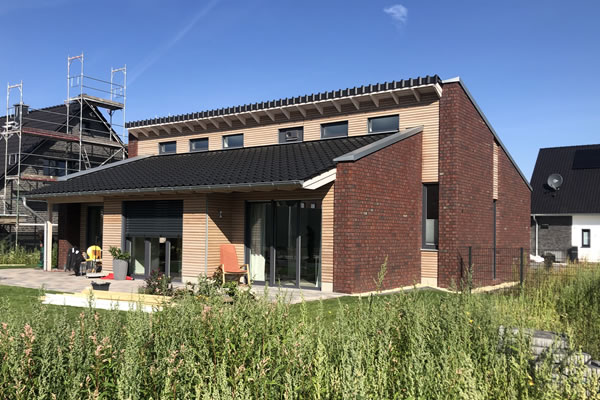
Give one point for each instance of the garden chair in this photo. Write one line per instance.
(229, 263)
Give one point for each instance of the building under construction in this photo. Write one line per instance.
(39, 146)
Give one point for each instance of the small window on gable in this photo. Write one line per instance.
(199, 144)
(291, 135)
(585, 238)
(334, 129)
(233, 141)
(388, 123)
(167, 147)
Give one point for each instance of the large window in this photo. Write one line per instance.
(430, 215)
(199, 144)
(233, 141)
(167, 147)
(334, 129)
(291, 135)
(585, 238)
(389, 123)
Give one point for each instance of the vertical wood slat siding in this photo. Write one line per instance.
(411, 114)
(219, 229)
(495, 173)
(327, 236)
(194, 228)
(429, 267)
(111, 230)
(83, 227)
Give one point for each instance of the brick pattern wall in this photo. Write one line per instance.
(69, 218)
(556, 236)
(132, 147)
(466, 188)
(378, 214)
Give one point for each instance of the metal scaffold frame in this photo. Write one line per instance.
(104, 138)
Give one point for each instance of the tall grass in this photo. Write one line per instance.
(14, 255)
(411, 345)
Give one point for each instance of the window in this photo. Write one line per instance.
(389, 123)
(291, 135)
(55, 167)
(334, 129)
(199, 144)
(585, 238)
(430, 216)
(233, 141)
(167, 147)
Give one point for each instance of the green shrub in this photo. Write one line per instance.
(9, 254)
(158, 284)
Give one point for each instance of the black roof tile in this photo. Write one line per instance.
(308, 98)
(580, 191)
(294, 162)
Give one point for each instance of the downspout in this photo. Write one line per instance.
(47, 265)
(537, 231)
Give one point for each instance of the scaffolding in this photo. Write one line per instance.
(66, 139)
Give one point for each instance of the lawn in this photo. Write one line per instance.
(417, 344)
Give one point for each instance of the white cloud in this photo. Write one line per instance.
(398, 12)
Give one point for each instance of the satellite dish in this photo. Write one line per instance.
(555, 181)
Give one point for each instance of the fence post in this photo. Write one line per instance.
(521, 267)
(470, 269)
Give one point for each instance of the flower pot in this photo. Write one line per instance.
(100, 286)
(120, 269)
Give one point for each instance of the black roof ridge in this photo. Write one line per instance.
(288, 101)
(271, 145)
(569, 146)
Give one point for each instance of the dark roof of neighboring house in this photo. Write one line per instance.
(309, 98)
(580, 191)
(235, 168)
(49, 118)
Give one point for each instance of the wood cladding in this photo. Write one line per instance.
(495, 171)
(193, 234)
(112, 227)
(429, 267)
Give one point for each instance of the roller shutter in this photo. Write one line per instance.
(153, 218)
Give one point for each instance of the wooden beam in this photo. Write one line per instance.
(355, 102)
(270, 114)
(337, 105)
(416, 93)
(155, 131)
(301, 110)
(319, 108)
(201, 123)
(255, 116)
(227, 121)
(166, 129)
(178, 128)
(189, 126)
(241, 119)
(285, 112)
(395, 97)
(374, 99)
(214, 122)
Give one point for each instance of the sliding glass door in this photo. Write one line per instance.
(283, 242)
(155, 254)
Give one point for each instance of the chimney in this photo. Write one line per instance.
(18, 108)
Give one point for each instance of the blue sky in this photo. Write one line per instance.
(531, 65)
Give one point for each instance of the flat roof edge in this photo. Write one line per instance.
(371, 148)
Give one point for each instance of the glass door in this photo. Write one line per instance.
(260, 227)
(286, 243)
(155, 254)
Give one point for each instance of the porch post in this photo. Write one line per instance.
(48, 240)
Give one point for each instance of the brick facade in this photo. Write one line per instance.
(466, 188)
(132, 146)
(69, 225)
(378, 214)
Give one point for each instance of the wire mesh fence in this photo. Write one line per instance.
(513, 267)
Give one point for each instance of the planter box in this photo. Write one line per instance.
(120, 268)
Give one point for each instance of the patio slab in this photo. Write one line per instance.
(67, 282)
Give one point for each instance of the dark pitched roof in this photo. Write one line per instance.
(308, 98)
(282, 164)
(580, 190)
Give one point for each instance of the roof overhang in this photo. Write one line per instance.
(198, 125)
(378, 145)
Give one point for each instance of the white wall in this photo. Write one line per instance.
(591, 222)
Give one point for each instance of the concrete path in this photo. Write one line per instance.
(67, 282)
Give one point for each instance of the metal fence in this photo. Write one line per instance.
(511, 267)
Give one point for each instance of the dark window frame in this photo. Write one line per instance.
(325, 125)
(424, 244)
(589, 236)
(282, 136)
(228, 136)
(196, 140)
(161, 149)
(369, 123)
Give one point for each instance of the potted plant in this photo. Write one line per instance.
(120, 263)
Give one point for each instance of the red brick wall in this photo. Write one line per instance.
(378, 214)
(69, 217)
(466, 189)
(132, 147)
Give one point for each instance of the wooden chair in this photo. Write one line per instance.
(229, 263)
